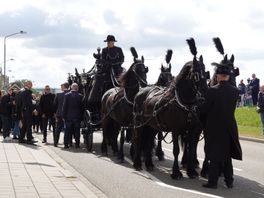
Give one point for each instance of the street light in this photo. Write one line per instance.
(21, 32)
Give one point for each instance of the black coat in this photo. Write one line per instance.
(113, 57)
(221, 133)
(24, 103)
(7, 105)
(58, 102)
(46, 105)
(73, 107)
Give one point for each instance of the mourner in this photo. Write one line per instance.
(72, 112)
(261, 106)
(221, 134)
(47, 111)
(7, 104)
(25, 112)
(254, 84)
(58, 102)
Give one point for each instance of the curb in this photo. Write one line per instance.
(258, 140)
(94, 190)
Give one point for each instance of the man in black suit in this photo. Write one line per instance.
(220, 133)
(72, 113)
(58, 102)
(47, 111)
(254, 85)
(25, 113)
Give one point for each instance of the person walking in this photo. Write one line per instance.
(47, 111)
(254, 84)
(260, 105)
(220, 133)
(7, 104)
(25, 112)
(72, 113)
(58, 103)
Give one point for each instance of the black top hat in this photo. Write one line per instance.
(223, 69)
(110, 38)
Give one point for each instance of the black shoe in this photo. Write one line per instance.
(56, 145)
(208, 185)
(44, 141)
(22, 141)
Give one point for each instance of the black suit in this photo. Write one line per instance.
(58, 103)
(254, 84)
(25, 109)
(72, 113)
(221, 134)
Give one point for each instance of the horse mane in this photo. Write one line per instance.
(123, 78)
(184, 71)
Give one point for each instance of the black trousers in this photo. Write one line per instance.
(214, 171)
(26, 127)
(45, 125)
(6, 121)
(72, 127)
(59, 128)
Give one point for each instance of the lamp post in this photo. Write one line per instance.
(21, 32)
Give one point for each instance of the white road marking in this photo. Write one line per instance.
(199, 158)
(160, 183)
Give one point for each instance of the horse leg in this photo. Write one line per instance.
(121, 146)
(137, 145)
(205, 168)
(185, 145)
(191, 172)
(159, 151)
(104, 142)
(114, 136)
(176, 173)
(150, 135)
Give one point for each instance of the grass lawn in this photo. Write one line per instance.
(248, 121)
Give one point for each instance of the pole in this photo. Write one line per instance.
(21, 32)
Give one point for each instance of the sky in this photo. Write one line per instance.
(64, 34)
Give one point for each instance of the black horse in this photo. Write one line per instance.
(164, 80)
(117, 105)
(171, 109)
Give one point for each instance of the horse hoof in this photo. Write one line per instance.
(161, 158)
(138, 168)
(204, 175)
(192, 174)
(177, 176)
(150, 168)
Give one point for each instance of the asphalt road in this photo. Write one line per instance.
(121, 180)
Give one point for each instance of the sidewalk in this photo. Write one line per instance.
(30, 171)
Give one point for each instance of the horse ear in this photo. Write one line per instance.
(201, 59)
(142, 59)
(225, 58)
(162, 68)
(232, 59)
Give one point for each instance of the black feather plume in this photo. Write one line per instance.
(134, 52)
(168, 56)
(192, 46)
(218, 45)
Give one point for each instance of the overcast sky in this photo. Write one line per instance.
(63, 34)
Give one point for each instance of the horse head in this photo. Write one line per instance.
(137, 73)
(234, 71)
(165, 76)
(191, 83)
